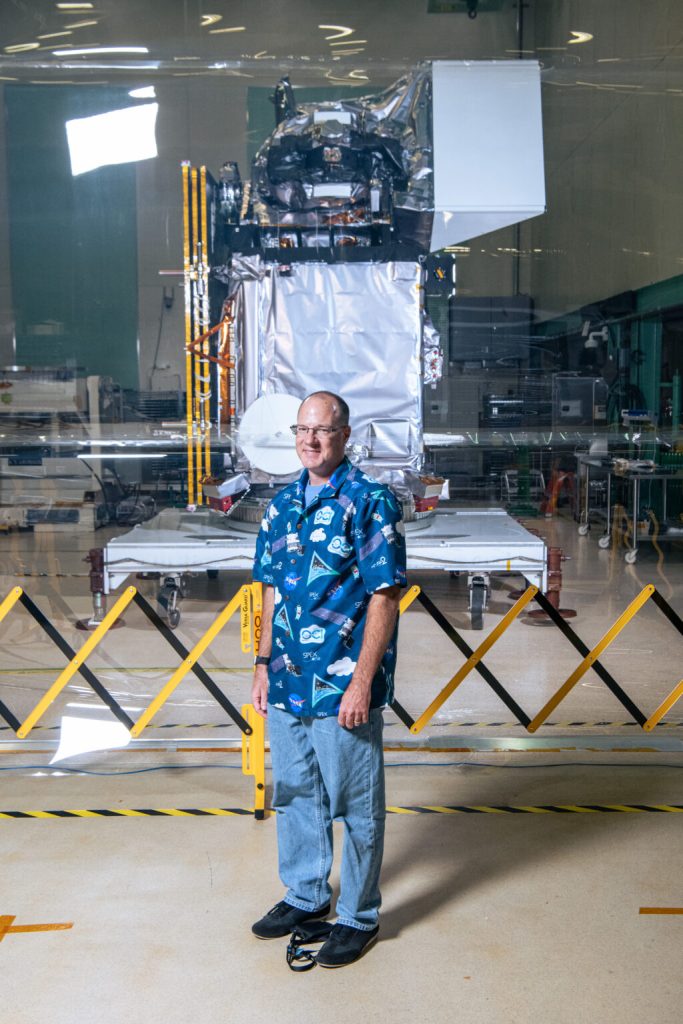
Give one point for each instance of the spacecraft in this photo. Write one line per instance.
(309, 275)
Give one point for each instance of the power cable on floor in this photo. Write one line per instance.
(403, 764)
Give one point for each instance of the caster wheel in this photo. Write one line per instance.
(173, 618)
(603, 542)
(583, 529)
(630, 557)
(477, 608)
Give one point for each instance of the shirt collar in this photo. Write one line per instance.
(330, 489)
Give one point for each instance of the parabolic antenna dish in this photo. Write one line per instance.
(264, 435)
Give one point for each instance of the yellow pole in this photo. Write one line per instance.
(196, 318)
(189, 386)
(75, 663)
(206, 367)
(10, 601)
(408, 598)
(665, 706)
(474, 659)
(592, 657)
(254, 757)
(185, 666)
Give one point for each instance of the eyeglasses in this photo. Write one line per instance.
(300, 431)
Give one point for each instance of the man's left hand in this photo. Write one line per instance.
(355, 705)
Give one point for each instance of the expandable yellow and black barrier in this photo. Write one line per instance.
(248, 601)
(250, 724)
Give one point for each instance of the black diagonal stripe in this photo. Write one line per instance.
(106, 812)
(604, 808)
(556, 809)
(580, 646)
(62, 814)
(401, 713)
(69, 652)
(666, 608)
(12, 722)
(16, 814)
(201, 674)
(483, 671)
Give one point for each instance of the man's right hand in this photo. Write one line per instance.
(259, 690)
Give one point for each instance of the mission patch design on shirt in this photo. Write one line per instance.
(325, 562)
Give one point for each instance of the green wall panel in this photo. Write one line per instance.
(73, 241)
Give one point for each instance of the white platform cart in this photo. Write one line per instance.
(476, 541)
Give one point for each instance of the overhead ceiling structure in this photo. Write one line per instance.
(612, 77)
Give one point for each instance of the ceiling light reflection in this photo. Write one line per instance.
(210, 19)
(348, 42)
(580, 37)
(342, 30)
(53, 35)
(22, 47)
(237, 28)
(124, 455)
(82, 24)
(98, 50)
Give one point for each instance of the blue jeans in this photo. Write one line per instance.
(323, 772)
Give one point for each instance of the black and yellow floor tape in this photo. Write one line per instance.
(433, 725)
(200, 812)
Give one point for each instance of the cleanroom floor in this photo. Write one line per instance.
(524, 904)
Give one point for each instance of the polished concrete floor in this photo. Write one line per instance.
(489, 914)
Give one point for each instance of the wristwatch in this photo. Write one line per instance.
(261, 660)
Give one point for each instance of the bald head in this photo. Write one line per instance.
(335, 403)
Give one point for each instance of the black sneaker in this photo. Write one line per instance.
(345, 945)
(283, 919)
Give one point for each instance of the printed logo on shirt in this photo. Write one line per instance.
(281, 620)
(296, 702)
(324, 516)
(291, 580)
(343, 667)
(340, 546)
(322, 689)
(318, 534)
(311, 635)
(319, 568)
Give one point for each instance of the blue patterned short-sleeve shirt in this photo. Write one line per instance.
(325, 561)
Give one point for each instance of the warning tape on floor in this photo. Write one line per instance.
(388, 725)
(227, 812)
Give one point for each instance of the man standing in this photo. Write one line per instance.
(331, 556)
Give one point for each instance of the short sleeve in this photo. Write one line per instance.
(262, 572)
(379, 540)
